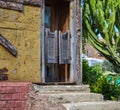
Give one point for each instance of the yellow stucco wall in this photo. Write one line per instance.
(22, 29)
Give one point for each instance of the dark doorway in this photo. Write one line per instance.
(57, 18)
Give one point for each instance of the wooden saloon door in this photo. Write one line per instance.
(57, 41)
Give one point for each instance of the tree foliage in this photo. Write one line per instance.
(101, 19)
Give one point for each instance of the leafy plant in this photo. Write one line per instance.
(107, 66)
(101, 23)
(107, 87)
(85, 71)
(107, 83)
(91, 74)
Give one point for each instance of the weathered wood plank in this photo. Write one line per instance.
(43, 43)
(11, 5)
(6, 44)
(64, 48)
(51, 46)
(73, 40)
(30, 2)
(78, 76)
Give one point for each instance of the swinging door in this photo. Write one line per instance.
(57, 23)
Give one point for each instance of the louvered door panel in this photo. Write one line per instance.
(51, 49)
(64, 48)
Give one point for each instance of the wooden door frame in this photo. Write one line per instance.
(43, 44)
(73, 42)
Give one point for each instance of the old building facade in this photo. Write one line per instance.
(38, 40)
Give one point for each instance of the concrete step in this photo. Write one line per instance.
(61, 88)
(74, 97)
(108, 105)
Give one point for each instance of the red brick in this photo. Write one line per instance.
(7, 104)
(23, 96)
(18, 108)
(10, 104)
(11, 89)
(8, 109)
(13, 96)
(21, 108)
(3, 89)
(18, 103)
(0, 96)
(16, 96)
(17, 89)
(24, 89)
(6, 97)
(4, 84)
(2, 104)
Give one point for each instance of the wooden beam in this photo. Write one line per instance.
(73, 41)
(11, 5)
(29, 2)
(6, 44)
(78, 76)
(43, 43)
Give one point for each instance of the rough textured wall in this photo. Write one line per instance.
(14, 96)
(22, 29)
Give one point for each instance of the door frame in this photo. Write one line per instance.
(73, 42)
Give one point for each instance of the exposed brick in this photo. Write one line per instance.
(2, 104)
(11, 90)
(0, 96)
(15, 96)
(23, 96)
(6, 97)
(18, 108)
(7, 104)
(3, 89)
(14, 84)
(21, 108)
(18, 104)
(10, 104)
(23, 89)
(8, 109)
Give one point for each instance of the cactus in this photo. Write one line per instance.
(101, 20)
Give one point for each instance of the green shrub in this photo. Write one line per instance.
(85, 71)
(106, 83)
(107, 66)
(91, 74)
(95, 73)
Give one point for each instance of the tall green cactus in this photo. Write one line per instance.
(101, 18)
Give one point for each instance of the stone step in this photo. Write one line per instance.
(104, 105)
(61, 88)
(74, 97)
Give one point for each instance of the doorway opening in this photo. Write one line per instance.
(57, 40)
